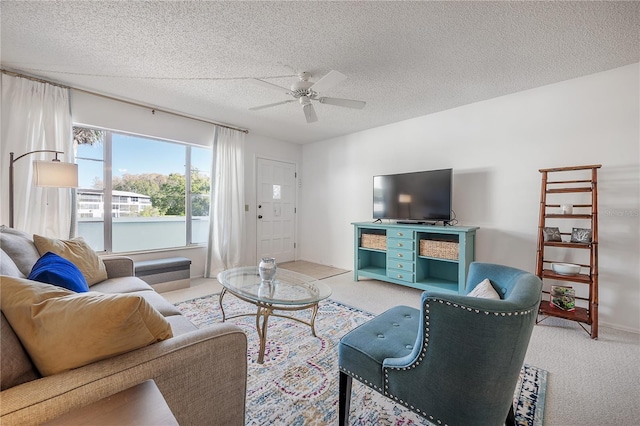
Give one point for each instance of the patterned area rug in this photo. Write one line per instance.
(298, 382)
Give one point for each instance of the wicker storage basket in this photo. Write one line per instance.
(374, 241)
(439, 249)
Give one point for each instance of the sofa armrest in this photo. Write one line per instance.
(202, 376)
(118, 266)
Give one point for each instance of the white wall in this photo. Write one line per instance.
(496, 148)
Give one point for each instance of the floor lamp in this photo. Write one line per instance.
(51, 174)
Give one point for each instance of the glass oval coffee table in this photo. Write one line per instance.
(289, 291)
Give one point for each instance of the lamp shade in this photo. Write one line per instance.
(404, 198)
(55, 174)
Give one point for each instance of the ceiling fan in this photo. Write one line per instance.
(305, 91)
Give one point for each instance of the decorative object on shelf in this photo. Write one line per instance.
(563, 297)
(566, 208)
(267, 269)
(551, 234)
(374, 241)
(580, 235)
(440, 249)
(565, 268)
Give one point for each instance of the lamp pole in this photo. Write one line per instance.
(11, 161)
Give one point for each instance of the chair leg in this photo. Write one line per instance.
(344, 399)
(511, 417)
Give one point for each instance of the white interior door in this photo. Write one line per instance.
(276, 210)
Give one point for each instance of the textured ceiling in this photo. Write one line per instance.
(405, 59)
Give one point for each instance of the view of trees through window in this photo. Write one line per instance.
(145, 203)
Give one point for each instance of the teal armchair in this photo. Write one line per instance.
(456, 360)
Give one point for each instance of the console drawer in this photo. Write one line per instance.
(399, 233)
(401, 275)
(399, 243)
(400, 265)
(399, 254)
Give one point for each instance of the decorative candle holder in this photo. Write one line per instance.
(566, 208)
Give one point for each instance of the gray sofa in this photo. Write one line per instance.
(202, 374)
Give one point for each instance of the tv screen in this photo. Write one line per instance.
(415, 197)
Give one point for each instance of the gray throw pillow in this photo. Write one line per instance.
(17, 367)
(20, 248)
(8, 267)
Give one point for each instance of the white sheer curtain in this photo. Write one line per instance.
(226, 226)
(35, 116)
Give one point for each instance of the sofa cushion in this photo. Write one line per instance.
(15, 365)
(121, 285)
(20, 248)
(53, 269)
(76, 251)
(8, 266)
(158, 302)
(62, 330)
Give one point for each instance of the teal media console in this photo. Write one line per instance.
(426, 257)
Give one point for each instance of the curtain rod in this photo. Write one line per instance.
(153, 109)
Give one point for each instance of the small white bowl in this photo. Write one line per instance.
(565, 268)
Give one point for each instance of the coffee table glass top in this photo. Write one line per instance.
(288, 288)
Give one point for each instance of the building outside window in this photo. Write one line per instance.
(139, 193)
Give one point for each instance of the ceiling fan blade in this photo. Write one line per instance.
(329, 80)
(271, 105)
(271, 86)
(310, 113)
(347, 103)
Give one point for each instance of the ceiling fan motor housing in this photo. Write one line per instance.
(301, 88)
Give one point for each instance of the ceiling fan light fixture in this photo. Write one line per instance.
(304, 100)
(310, 113)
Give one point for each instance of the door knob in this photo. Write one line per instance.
(259, 216)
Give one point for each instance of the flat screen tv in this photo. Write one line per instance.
(418, 197)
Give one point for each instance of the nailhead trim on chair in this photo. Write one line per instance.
(360, 379)
(424, 350)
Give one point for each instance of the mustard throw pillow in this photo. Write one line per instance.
(61, 330)
(78, 252)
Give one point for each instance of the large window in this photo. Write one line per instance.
(138, 193)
